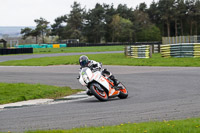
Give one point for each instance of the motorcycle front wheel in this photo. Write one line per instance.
(123, 91)
(98, 92)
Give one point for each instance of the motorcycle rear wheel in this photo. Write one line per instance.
(123, 91)
(98, 92)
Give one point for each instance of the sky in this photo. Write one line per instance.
(24, 12)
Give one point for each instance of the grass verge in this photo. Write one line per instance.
(107, 59)
(14, 92)
(73, 50)
(178, 126)
(77, 49)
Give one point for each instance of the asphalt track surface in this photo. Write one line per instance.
(155, 93)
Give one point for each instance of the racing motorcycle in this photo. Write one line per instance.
(100, 85)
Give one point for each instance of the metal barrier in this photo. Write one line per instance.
(181, 39)
(181, 50)
(138, 51)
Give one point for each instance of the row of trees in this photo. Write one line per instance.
(104, 23)
(176, 17)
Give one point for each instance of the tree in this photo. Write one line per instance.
(110, 11)
(42, 27)
(26, 32)
(30, 32)
(35, 33)
(180, 13)
(143, 7)
(75, 22)
(141, 22)
(95, 24)
(166, 11)
(122, 29)
(154, 13)
(155, 16)
(175, 16)
(150, 33)
(58, 28)
(126, 30)
(125, 12)
(115, 27)
(197, 16)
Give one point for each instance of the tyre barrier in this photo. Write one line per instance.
(138, 51)
(15, 51)
(181, 50)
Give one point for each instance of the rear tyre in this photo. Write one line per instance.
(123, 91)
(98, 92)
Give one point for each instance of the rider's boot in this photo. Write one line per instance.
(116, 82)
(88, 92)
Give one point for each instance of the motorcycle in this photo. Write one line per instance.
(100, 85)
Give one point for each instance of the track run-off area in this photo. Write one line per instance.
(155, 93)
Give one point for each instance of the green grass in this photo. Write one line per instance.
(178, 126)
(107, 59)
(74, 50)
(77, 49)
(14, 92)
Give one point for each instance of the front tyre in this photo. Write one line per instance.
(98, 92)
(123, 91)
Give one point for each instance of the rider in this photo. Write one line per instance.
(93, 65)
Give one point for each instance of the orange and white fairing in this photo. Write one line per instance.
(87, 76)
